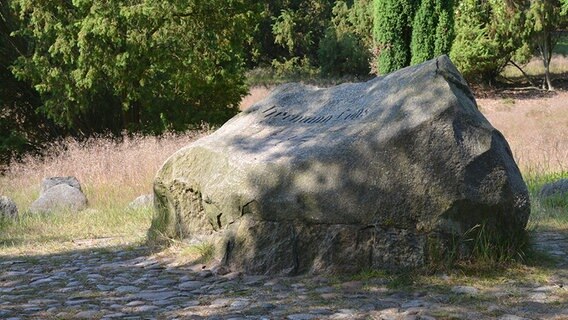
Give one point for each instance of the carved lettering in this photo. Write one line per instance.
(273, 115)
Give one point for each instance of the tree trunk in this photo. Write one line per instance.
(546, 54)
(524, 73)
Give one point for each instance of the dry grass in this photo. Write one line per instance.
(536, 130)
(255, 94)
(558, 65)
(111, 173)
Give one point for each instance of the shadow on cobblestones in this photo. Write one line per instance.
(130, 282)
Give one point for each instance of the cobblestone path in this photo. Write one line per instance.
(127, 283)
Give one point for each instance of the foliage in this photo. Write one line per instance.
(21, 128)
(295, 68)
(545, 17)
(346, 47)
(137, 64)
(393, 32)
(300, 25)
(488, 33)
(433, 30)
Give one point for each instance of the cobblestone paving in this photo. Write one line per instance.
(126, 283)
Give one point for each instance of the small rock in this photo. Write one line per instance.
(103, 287)
(413, 304)
(8, 208)
(557, 188)
(191, 285)
(41, 281)
(352, 285)
(205, 274)
(60, 197)
(142, 201)
(301, 316)
(135, 303)
(156, 295)
(220, 303)
(127, 289)
(511, 317)
(145, 308)
(325, 290)
(49, 183)
(465, 290)
(89, 314)
(239, 304)
(114, 315)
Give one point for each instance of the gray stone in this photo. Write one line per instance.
(156, 295)
(465, 290)
(191, 285)
(39, 282)
(556, 188)
(511, 317)
(60, 197)
(145, 308)
(240, 304)
(319, 180)
(103, 287)
(220, 303)
(127, 289)
(142, 201)
(89, 314)
(301, 316)
(8, 208)
(49, 183)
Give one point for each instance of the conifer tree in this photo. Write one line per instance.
(393, 33)
(488, 33)
(433, 30)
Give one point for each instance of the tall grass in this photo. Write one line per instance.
(112, 174)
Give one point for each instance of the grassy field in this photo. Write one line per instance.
(112, 174)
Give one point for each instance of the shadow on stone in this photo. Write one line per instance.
(344, 179)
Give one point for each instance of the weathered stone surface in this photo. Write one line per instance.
(8, 208)
(345, 178)
(48, 183)
(142, 201)
(60, 197)
(556, 188)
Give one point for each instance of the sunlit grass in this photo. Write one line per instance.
(112, 174)
(558, 66)
(551, 213)
(48, 233)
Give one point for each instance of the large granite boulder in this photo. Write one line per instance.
(59, 194)
(364, 175)
(8, 208)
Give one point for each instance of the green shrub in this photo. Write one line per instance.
(488, 33)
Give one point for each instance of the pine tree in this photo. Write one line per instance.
(424, 32)
(445, 33)
(433, 30)
(393, 33)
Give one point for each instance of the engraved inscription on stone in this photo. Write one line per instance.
(274, 115)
